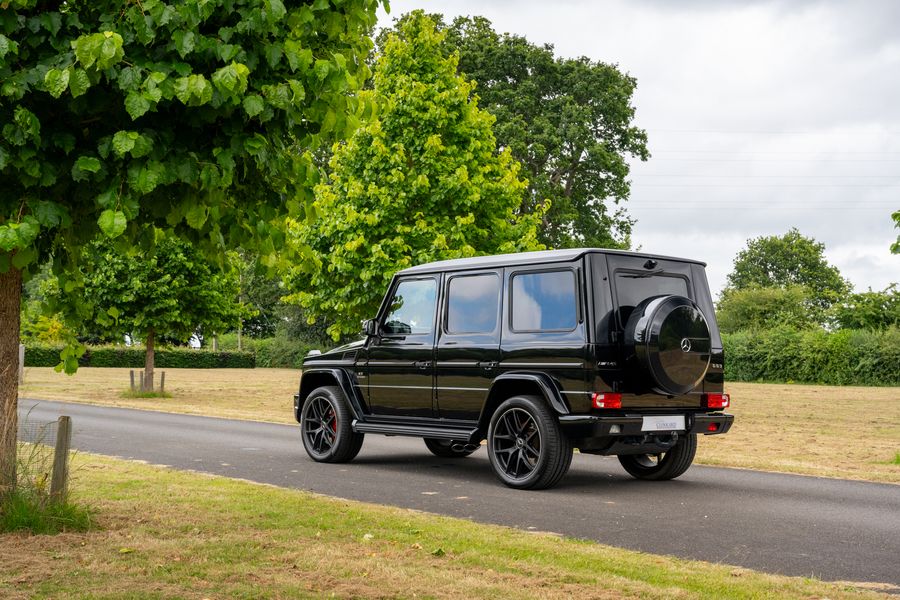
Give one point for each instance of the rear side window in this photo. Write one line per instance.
(544, 301)
(473, 303)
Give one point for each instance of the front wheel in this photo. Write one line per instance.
(666, 465)
(526, 446)
(325, 423)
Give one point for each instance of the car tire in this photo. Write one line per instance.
(326, 428)
(526, 446)
(668, 465)
(447, 449)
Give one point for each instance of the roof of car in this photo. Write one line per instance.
(526, 258)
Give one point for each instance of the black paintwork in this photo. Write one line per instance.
(446, 385)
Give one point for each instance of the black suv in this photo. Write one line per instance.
(610, 352)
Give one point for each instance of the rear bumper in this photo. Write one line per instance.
(629, 424)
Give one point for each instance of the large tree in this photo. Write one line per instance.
(170, 293)
(785, 260)
(568, 121)
(895, 247)
(195, 117)
(421, 180)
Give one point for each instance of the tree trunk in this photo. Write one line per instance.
(149, 359)
(10, 307)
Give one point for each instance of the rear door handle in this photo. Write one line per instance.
(488, 364)
(423, 364)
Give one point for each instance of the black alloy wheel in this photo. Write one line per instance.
(450, 448)
(326, 429)
(526, 447)
(664, 465)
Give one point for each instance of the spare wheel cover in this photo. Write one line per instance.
(672, 342)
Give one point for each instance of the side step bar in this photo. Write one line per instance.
(441, 433)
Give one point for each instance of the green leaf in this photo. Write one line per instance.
(196, 216)
(253, 105)
(110, 50)
(231, 79)
(184, 42)
(136, 105)
(24, 257)
(56, 82)
(9, 240)
(193, 90)
(48, 214)
(112, 223)
(142, 146)
(123, 142)
(78, 82)
(322, 68)
(88, 163)
(7, 46)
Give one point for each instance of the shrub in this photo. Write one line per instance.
(843, 357)
(133, 358)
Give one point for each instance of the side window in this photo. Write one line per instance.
(412, 308)
(544, 301)
(473, 303)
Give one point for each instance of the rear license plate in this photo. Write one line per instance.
(663, 423)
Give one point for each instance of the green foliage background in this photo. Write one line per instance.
(422, 180)
(844, 357)
(133, 358)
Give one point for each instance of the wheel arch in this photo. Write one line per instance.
(315, 378)
(508, 385)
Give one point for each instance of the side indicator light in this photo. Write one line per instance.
(606, 400)
(716, 400)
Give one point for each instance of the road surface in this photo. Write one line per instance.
(808, 526)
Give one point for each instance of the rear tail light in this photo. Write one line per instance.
(717, 400)
(712, 427)
(606, 400)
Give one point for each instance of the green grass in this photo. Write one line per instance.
(896, 459)
(138, 394)
(172, 534)
(25, 510)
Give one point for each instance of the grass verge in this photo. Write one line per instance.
(847, 432)
(167, 534)
(24, 510)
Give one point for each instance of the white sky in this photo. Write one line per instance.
(761, 116)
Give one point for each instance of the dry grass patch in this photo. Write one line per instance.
(251, 394)
(170, 534)
(848, 432)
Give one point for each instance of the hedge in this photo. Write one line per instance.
(843, 357)
(122, 356)
(275, 352)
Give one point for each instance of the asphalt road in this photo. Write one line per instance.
(828, 528)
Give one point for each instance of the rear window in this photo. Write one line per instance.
(544, 301)
(632, 288)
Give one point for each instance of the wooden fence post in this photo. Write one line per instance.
(60, 478)
(162, 384)
(131, 373)
(21, 364)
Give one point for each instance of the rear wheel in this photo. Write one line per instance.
(450, 448)
(666, 465)
(326, 429)
(526, 446)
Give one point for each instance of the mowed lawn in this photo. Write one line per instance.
(848, 432)
(163, 533)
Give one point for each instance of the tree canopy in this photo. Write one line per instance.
(788, 260)
(869, 310)
(568, 121)
(421, 180)
(196, 117)
(171, 293)
(895, 247)
(755, 307)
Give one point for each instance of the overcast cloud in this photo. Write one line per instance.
(761, 116)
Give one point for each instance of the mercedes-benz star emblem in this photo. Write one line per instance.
(685, 345)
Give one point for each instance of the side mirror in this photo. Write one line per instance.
(370, 327)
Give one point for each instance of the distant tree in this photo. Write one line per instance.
(895, 248)
(567, 121)
(420, 180)
(171, 292)
(194, 116)
(757, 307)
(869, 310)
(789, 260)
